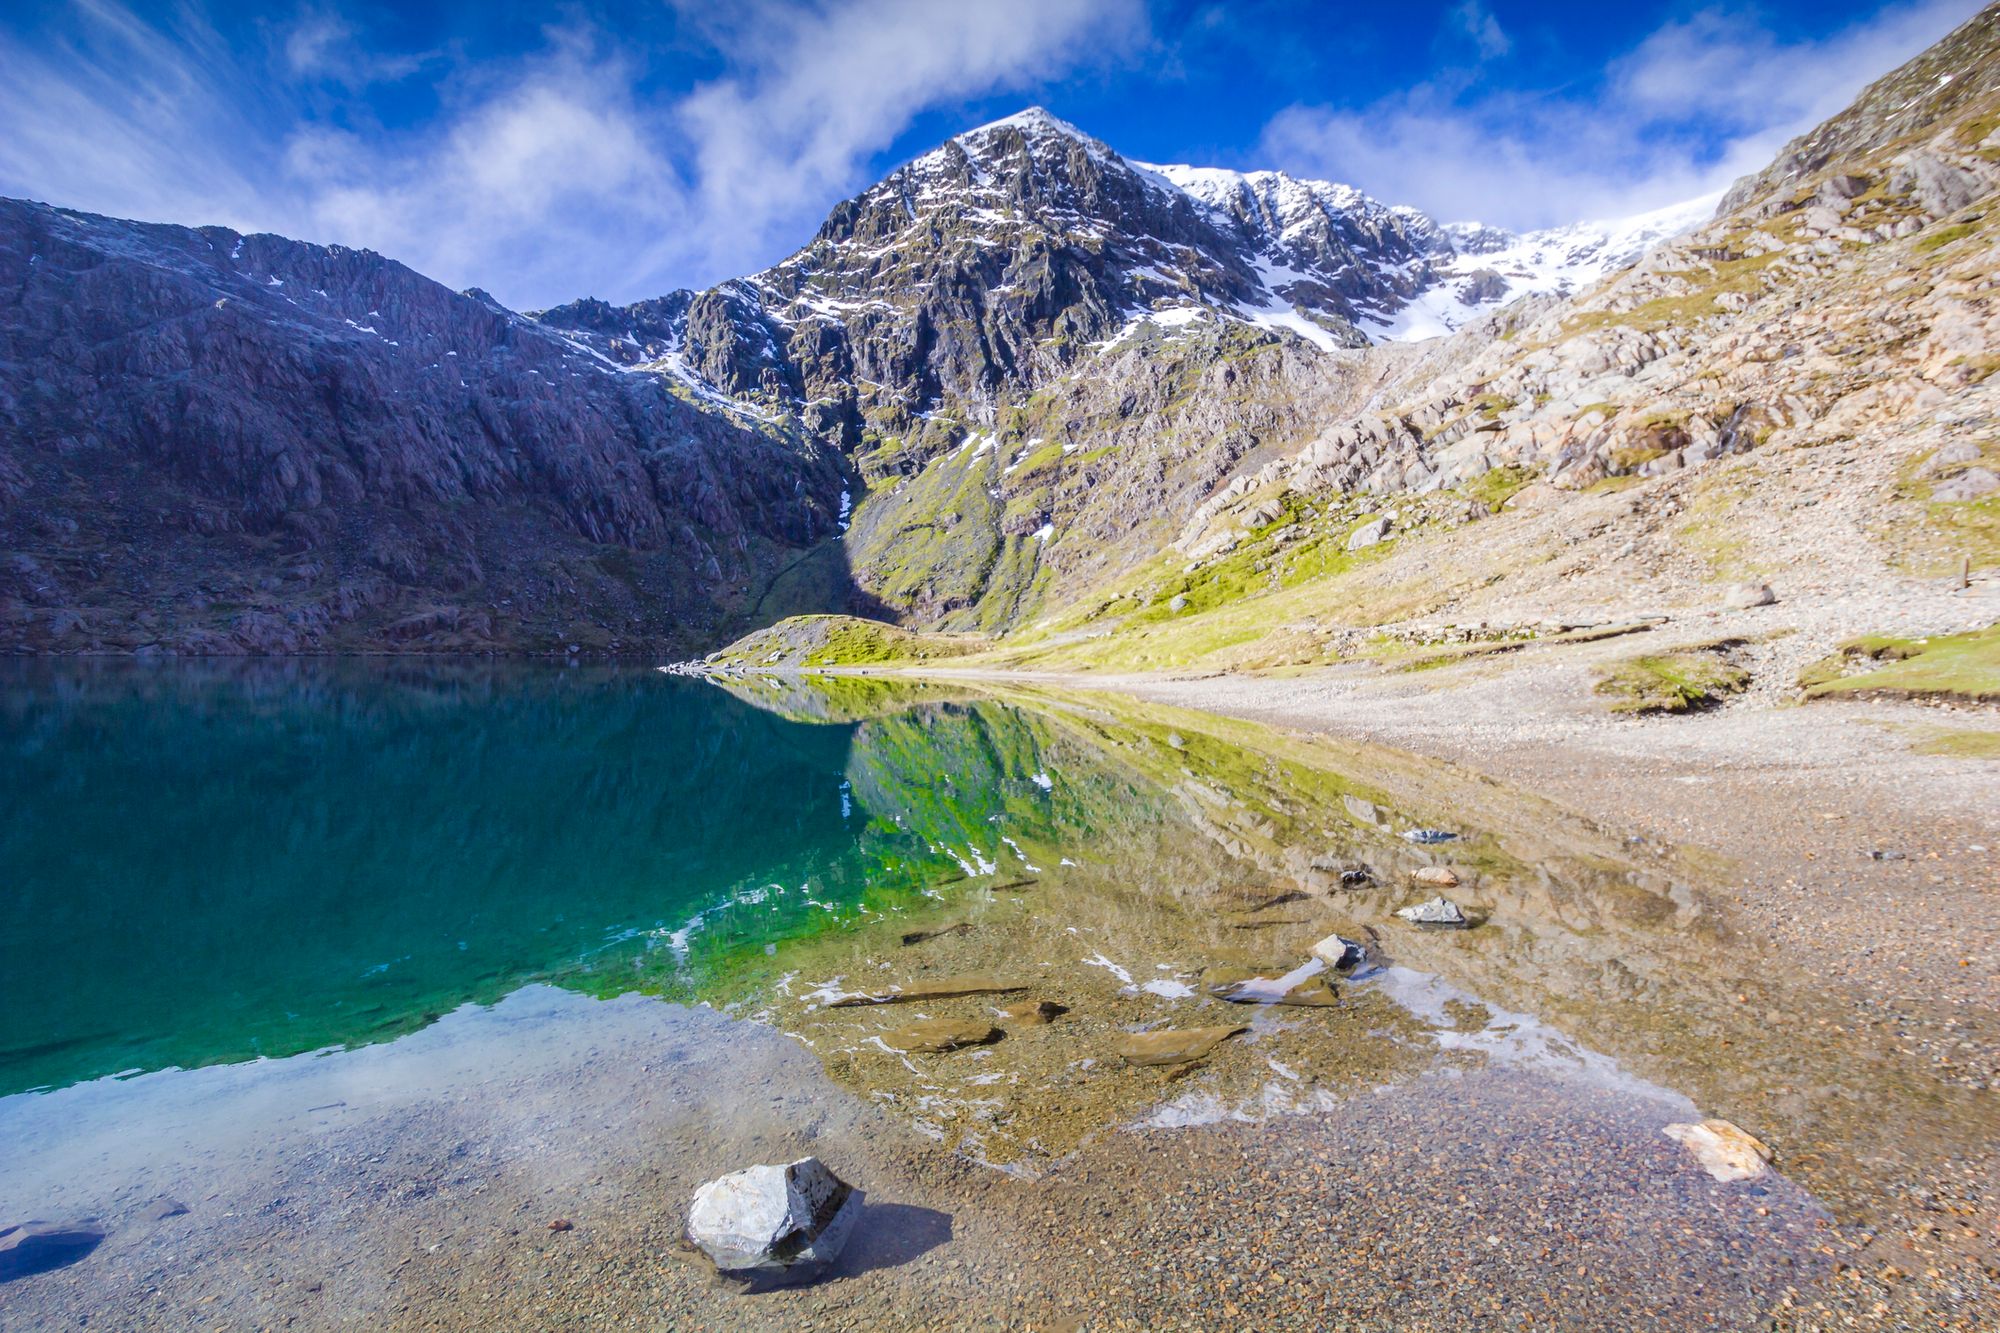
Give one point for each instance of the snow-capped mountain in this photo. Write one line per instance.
(1001, 257)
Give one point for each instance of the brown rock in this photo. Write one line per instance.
(940, 1034)
(1033, 1013)
(1172, 1046)
(1442, 877)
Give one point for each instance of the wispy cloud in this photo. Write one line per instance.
(1697, 103)
(1474, 22)
(543, 176)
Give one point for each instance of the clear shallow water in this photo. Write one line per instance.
(209, 863)
(213, 862)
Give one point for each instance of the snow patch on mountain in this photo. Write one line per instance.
(1557, 261)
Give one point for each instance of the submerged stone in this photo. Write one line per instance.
(937, 988)
(1305, 985)
(1172, 1046)
(36, 1247)
(1723, 1149)
(790, 1219)
(940, 1034)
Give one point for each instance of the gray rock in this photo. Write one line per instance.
(1439, 911)
(1970, 484)
(1340, 953)
(1743, 596)
(1177, 602)
(36, 1247)
(790, 1219)
(1951, 455)
(1368, 534)
(1427, 837)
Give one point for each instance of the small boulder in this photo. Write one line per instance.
(1743, 596)
(1340, 953)
(1368, 534)
(1723, 1149)
(1178, 602)
(790, 1220)
(1971, 484)
(1442, 877)
(36, 1247)
(1428, 837)
(1172, 1046)
(934, 1035)
(1439, 911)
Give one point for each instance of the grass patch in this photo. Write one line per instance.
(827, 641)
(1671, 682)
(1939, 238)
(1947, 666)
(1962, 744)
(1496, 487)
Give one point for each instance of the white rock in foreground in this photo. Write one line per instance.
(774, 1219)
(1724, 1150)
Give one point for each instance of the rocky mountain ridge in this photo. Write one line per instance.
(1022, 385)
(1120, 335)
(1842, 307)
(212, 442)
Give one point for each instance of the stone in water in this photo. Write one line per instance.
(932, 1035)
(1340, 953)
(1302, 985)
(1439, 911)
(1724, 1150)
(1172, 1046)
(790, 1219)
(36, 1247)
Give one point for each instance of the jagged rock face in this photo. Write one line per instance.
(1040, 356)
(1942, 83)
(1327, 249)
(293, 446)
(1004, 259)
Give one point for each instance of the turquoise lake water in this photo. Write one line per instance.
(214, 862)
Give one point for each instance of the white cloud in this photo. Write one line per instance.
(1697, 103)
(543, 177)
(827, 89)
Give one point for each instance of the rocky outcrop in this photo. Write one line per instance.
(214, 442)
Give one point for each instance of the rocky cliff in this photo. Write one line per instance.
(222, 443)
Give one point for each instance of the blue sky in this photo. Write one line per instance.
(624, 150)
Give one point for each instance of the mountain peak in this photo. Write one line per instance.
(1034, 122)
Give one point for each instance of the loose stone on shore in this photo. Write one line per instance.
(791, 1219)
